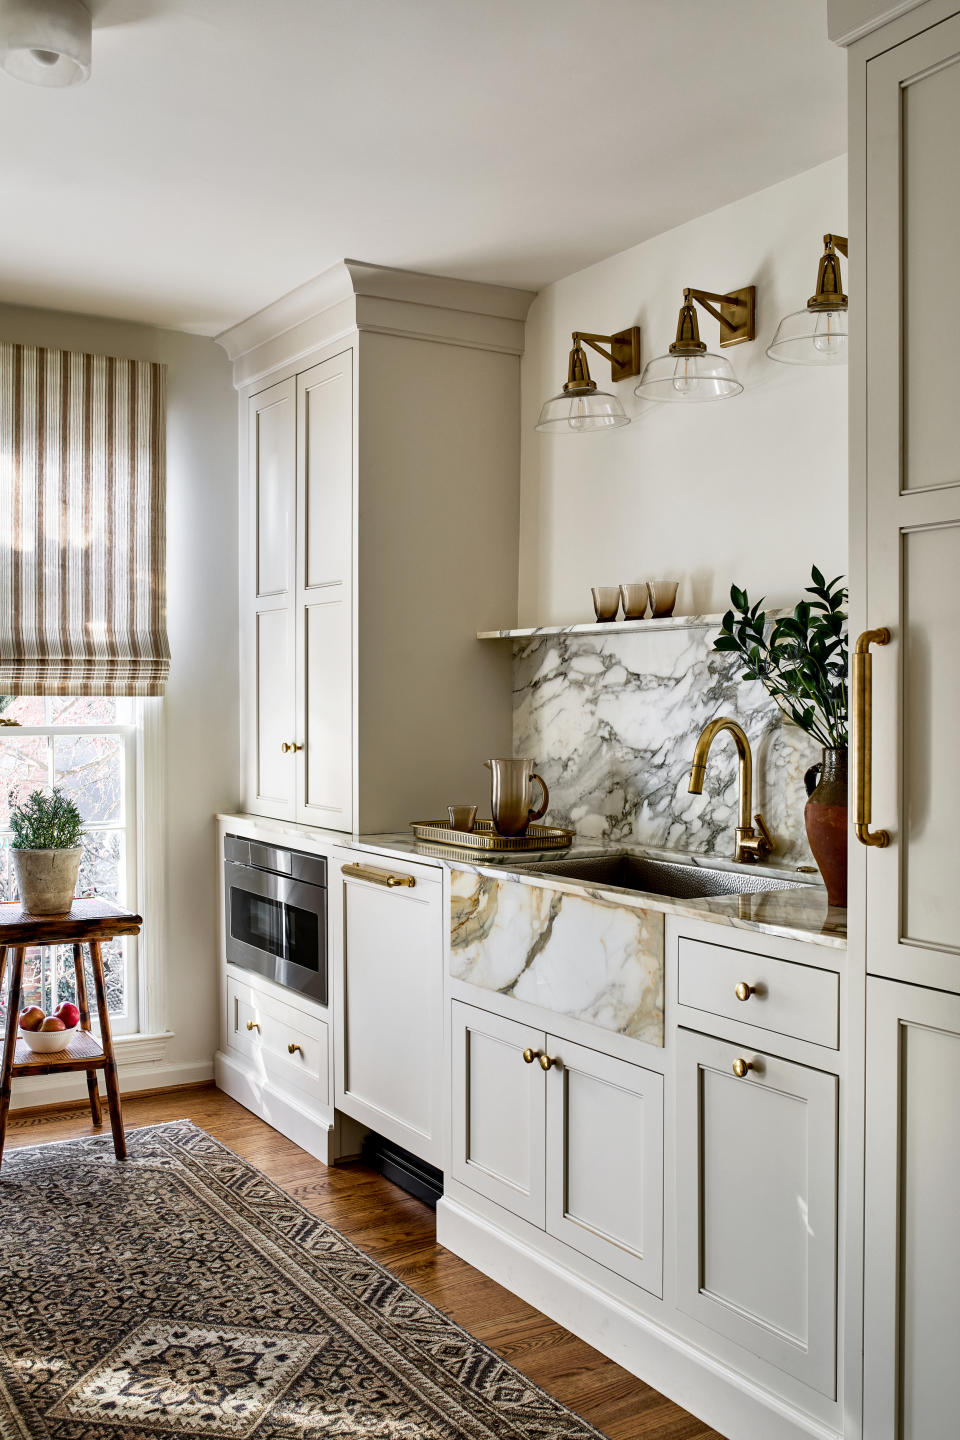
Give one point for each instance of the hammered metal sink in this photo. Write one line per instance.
(660, 877)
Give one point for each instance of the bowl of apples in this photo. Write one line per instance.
(46, 1034)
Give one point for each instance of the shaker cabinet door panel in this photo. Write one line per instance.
(911, 437)
(912, 1240)
(757, 1204)
(269, 613)
(605, 1160)
(498, 1111)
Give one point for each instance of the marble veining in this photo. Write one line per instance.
(565, 950)
(612, 720)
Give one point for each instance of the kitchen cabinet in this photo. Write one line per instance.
(366, 437)
(912, 1243)
(756, 1203)
(388, 998)
(576, 1149)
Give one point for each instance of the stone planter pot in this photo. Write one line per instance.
(47, 879)
(825, 817)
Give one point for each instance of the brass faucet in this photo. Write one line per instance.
(750, 846)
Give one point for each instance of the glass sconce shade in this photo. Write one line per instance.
(582, 413)
(811, 337)
(688, 378)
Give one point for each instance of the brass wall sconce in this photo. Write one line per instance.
(580, 407)
(688, 372)
(818, 334)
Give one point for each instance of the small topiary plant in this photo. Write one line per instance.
(45, 822)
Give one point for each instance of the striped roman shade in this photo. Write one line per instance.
(82, 532)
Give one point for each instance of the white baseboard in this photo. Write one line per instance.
(33, 1090)
(718, 1396)
(315, 1133)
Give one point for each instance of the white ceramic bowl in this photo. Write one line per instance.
(48, 1042)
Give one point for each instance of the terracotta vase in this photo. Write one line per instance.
(825, 817)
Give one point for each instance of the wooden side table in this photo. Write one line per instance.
(89, 922)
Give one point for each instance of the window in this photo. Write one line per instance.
(88, 747)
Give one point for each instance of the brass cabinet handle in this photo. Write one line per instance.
(290, 747)
(546, 1062)
(378, 877)
(744, 991)
(740, 1068)
(530, 1055)
(862, 677)
(294, 1049)
(252, 1025)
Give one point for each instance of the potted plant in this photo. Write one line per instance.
(45, 844)
(801, 661)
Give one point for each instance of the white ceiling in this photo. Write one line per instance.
(225, 151)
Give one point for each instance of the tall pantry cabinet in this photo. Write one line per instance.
(904, 918)
(379, 431)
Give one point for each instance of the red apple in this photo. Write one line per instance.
(68, 1013)
(53, 1022)
(31, 1018)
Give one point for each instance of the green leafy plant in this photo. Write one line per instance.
(45, 822)
(802, 661)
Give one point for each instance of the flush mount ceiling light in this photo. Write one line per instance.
(45, 42)
(688, 372)
(817, 335)
(581, 408)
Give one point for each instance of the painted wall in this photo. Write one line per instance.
(201, 704)
(751, 490)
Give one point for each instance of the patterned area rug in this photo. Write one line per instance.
(184, 1294)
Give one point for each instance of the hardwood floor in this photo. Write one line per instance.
(399, 1232)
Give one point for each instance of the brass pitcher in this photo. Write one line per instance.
(511, 791)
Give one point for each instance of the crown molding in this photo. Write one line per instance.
(356, 295)
(850, 20)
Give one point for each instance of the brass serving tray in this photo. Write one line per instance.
(484, 837)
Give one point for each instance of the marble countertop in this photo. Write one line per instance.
(796, 914)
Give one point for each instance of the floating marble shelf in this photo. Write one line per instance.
(608, 627)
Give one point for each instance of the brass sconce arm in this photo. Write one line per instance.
(737, 315)
(623, 355)
(839, 242)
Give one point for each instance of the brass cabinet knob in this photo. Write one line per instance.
(546, 1062)
(743, 990)
(290, 747)
(531, 1055)
(740, 1068)
(294, 1049)
(252, 1025)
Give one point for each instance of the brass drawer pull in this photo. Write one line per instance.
(530, 1055)
(740, 1068)
(546, 1063)
(378, 877)
(862, 677)
(744, 991)
(295, 1049)
(290, 747)
(252, 1025)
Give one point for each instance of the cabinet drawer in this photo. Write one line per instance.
(286, 1046)
(781, 997)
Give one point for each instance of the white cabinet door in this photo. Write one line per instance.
(269, 612)
(605, 1160)
(498, 1119)
(757, 1204)
(912, 1239)
(910, 454)
(389, 999)
(324, 590)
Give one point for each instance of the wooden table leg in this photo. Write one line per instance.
(3, 963)
(93, 1090)
(110, 1068)
(10, 1040)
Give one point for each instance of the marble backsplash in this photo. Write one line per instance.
(612, 721)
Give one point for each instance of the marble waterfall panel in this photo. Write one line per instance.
(612, 721)
(569, 953)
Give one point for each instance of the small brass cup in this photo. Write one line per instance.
(663, 597)
(634, 599)
(462, 817)
(606, 601)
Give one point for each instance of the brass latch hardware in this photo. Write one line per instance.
(530, 1055)
(290, 747)
(378, 877)
(546, 1063)
(861, 669)
(252, 1025)
(294, 1049)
